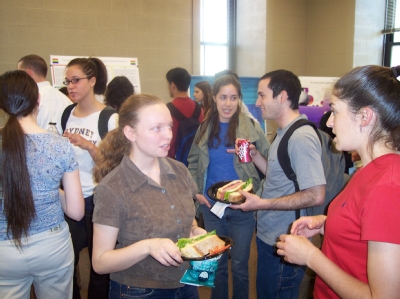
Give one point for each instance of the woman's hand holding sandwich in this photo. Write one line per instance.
(165, 251)
(196, 230)
(107, 259)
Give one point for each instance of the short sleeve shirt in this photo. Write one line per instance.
(141, 209)
(48, 157)
(368, 209)
(304, 150)
(87, 127)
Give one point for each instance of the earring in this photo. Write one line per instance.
(360, 129)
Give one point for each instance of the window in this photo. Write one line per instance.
(392, 34)
(217, 37)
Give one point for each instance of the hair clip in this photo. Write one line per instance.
(396, 71)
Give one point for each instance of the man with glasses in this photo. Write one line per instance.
(52, 101)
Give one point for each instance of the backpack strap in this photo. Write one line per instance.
(104, 117)
(283, 154)
(179, 115)
(197, 110)
(175, 112)
(65, 116)
(102, 125)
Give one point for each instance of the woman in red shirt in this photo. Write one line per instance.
(360, 256)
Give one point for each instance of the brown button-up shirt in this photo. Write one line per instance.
(142, 209)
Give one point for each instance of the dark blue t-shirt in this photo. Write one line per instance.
(221, 166)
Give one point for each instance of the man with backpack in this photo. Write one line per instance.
(278, 99)
(186, 113)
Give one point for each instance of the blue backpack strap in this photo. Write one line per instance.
(104, 117)
(65, 116)
(283, 154)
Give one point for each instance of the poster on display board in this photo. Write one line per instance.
(116, 66)
(314, 101)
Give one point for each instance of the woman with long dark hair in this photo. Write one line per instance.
(35, 244)
(85, 78)
(210, 162)
(360, 256)
(203, 94)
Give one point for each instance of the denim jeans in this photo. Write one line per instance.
(239, 226)
(276, 279)
(122, 291)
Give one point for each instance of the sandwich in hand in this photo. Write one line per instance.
(229, 192)
(199, 246)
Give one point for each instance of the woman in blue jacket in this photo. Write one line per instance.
(209, 163)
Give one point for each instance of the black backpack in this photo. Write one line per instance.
(104, 116)
(332, 160)
(186, 131)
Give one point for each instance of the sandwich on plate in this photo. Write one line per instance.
(200, 246)
(229, 192)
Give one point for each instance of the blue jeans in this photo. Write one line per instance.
(239, 226)
(122, 291)
(276, 279)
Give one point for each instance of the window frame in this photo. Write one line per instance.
(231, 37)
(388, 39)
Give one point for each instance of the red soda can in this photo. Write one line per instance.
(244, 151)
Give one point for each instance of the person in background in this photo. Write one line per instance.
(85, 77)
(178, 84)
(144, 204)
(118, 90)
(243, 107)
(35, 244)
(64, 90)
(323, 126)
(52, 101)
(203, 94)
(209, 163)
(278, 99)
(360, 255)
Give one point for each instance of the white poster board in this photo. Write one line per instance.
(116, 66)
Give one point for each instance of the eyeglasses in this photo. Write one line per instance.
(73, 81)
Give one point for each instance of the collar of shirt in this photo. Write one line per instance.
(137, 178)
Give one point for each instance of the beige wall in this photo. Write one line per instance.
(251, 46)
(286, 35)
(309, 37)
(330, 40)
(368, 40)
(158, 32)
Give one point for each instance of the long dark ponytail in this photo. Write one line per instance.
(18, 98)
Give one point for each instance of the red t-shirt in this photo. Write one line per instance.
(186, 106)
(368, 209)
